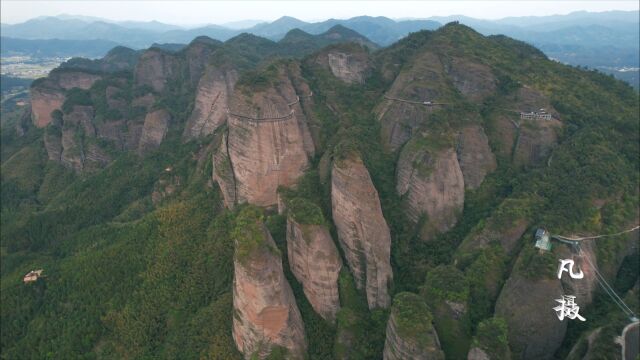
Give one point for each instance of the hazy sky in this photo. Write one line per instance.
(218, 12)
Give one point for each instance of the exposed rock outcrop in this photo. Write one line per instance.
(212, 101)
(432, 183)
(223, 173)
(197, 56)
(313, 257)
(43, 102)
(472, 79)
(446, 291)
(410, 333)
(474, 155)
(536, 140)
(154, 130)
(48, 94)
(348, 62)
(526, 303)
(525, 141)
(504, 227)
(583, 289)
(75, 123)
(362, 230)
(67, 79)
(402, 111)
(155, 68)
(266, 140)
(265, 311)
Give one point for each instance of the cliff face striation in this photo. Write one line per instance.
(265, 311)
(155, 68)
(156, 125)
(48, 94)
(410, 333)
(526, 303)
(362, 230)
(432, 183)
(474, 155)
(267, 137)
(348, 62)
(212, 101)
(313, 257)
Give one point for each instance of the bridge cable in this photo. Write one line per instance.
(605, 285)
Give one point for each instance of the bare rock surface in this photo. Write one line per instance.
(316, 263)
(432, 183)
(156, 125)
(155, 68)
(265, 311)
(527, 305)
(223, 173)
(362, 230)
(410, 332)
(474, 80)
(212, 101)
(402, 111)
(474, 155)
(43, 102)
(266, 141)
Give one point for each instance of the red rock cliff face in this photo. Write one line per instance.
(349, 63)
(402, 111)
(43, 102)
(265, 311)
(266, 141)
(316, 263)
(155, 68)
(49, 95)
(474, 155)
(432, 183)
(405, 340)
(212, 101)
(154, 130)
(362, 230)
(71, 79)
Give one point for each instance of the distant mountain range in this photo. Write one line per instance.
(380, 30)
(605, 40)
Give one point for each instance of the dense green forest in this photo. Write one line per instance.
(132, 271)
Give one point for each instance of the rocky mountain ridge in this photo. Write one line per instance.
(414, 173)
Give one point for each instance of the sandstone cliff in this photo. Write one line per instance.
(156, 125)
(431, 182)
(525, 141)
(48, 94)
(155, 68)
(362, 230)
(212, 101)
(504, 227)
(473, 80)
(348, 62)
(223, 173)
(265, 311)
(313, 257)
(402, 112)
(526, 303)
(410, 333)
(474, 155)
(266, 141)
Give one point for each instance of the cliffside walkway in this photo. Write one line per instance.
(425, 103)
(270, 119)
